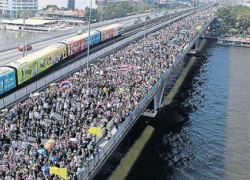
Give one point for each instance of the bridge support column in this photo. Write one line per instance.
(197, 44)
(203, 35)
(151, 111)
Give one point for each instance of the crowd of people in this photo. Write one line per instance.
(58, 118)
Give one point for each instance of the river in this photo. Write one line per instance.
(204, 133)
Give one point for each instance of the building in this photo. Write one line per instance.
(227, 2)
(102, 3)
(71, 4)
(30, 24)
(12, 8)
(52, 11)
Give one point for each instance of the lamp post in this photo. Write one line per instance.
(89, 35)
(169, 14)
(144, 33)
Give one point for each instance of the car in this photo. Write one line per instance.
(24, 47)
(148, 17)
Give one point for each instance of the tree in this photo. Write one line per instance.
(94, 14)
(235, 17)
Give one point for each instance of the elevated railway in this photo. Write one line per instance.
(128, 32)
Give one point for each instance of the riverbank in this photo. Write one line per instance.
(234, 41)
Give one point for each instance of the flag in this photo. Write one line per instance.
(62, 172)
(95, 130)
(25, 175)
(64, 84)
(123, 67)
(20, 149)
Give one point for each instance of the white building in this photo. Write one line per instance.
(11, 8)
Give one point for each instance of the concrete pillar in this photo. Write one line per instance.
(197, 44)
(203, 35)
(155, 103)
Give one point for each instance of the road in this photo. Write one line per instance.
(12, 55)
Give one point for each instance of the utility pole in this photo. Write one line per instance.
(24, 36)
(144, 33)
(101, 12)
(89, 35)
(169, 14)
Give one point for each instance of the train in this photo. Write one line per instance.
(20, 71)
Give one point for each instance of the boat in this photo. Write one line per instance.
(233, 41)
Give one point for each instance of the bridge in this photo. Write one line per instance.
(154, 96)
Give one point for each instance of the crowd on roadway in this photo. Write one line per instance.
(50, 128)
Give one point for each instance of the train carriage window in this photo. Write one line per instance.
(1, 86)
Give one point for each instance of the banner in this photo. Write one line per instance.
(96, 131)
(62, 172)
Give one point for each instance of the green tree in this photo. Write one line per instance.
(234, 18)
(94, 14)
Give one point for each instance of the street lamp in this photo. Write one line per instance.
(169, 14)
(144, 33)
(89, 35)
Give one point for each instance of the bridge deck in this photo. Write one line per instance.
(112, 96)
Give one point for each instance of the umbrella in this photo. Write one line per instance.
(51, 141)
(52, 84)
(45, 169)
(54, 158)
(4, 110)
(73, 140)
(48, 146)
(77, 73)
(198, 28)
(42, 151)
(36, 94)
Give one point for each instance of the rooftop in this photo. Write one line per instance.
(31, 22)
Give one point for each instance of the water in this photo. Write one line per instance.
(205, 132)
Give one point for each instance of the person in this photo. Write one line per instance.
(38, 140)
(90, 101)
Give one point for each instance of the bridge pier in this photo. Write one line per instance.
(156, 102)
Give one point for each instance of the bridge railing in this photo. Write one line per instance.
(137, 111)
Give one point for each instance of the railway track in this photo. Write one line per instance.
(127, 32)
